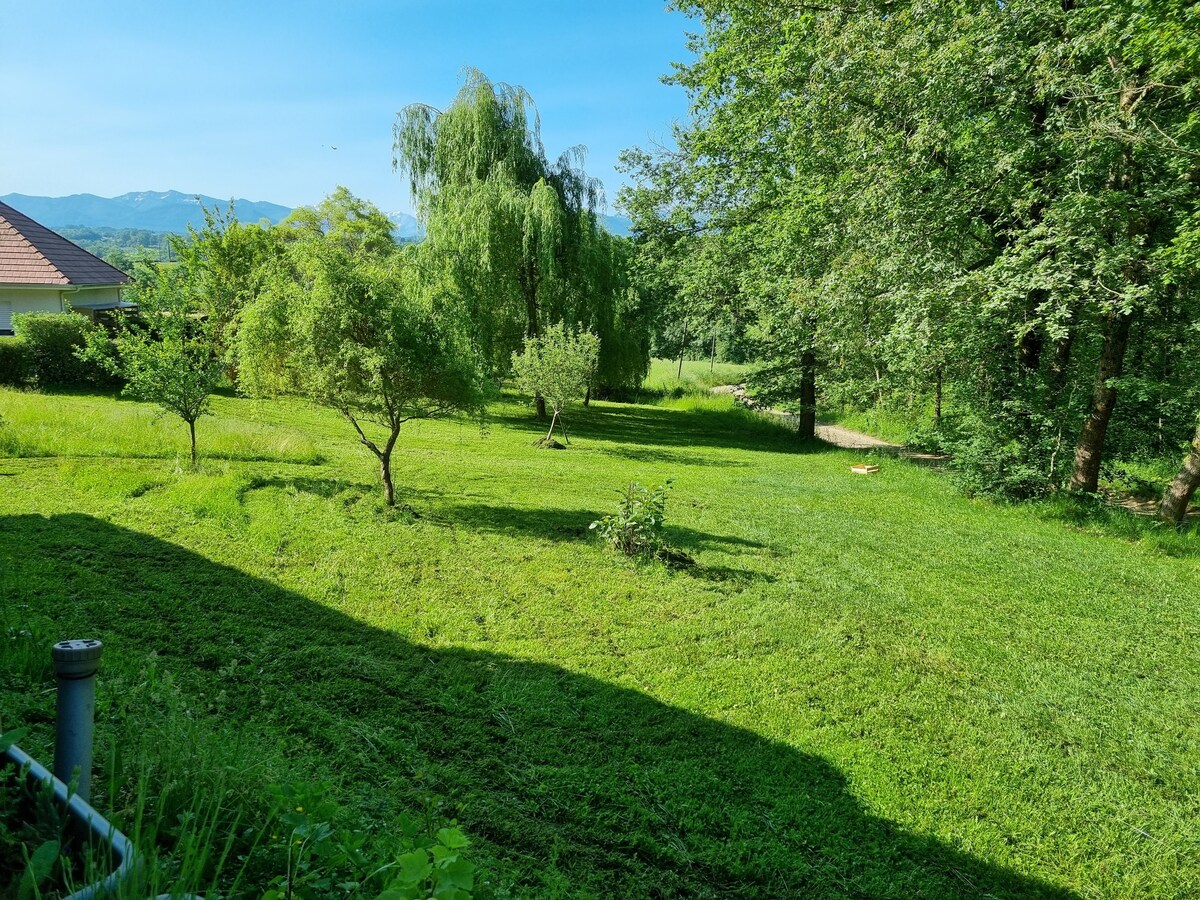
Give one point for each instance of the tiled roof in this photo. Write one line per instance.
(33, 254)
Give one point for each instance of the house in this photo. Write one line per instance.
(41, 271)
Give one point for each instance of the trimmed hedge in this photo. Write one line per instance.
(52, 341)
(14, 362)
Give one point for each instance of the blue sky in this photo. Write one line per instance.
(248, 99)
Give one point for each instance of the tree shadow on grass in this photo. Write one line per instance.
(555, 524)
(649, 427)
(325, 488)
(673, 457)
(568, 784)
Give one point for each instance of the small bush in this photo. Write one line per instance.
(53, 342)
(14, 362)
(636, 528)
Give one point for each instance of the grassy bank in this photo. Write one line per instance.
(865, 687)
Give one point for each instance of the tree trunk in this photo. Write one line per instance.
(1179, 492)
(712, 356)
(385, 474)
(807, 419)
(682, 348)
(1090, 449)
(587, 397)
(937, 399)
(540, 402)
(1057, 379)
(192, 431)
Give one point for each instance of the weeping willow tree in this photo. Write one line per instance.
(516, 236)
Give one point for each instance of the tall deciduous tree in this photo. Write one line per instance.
(227, 263)
(516, 235)
(998, 185)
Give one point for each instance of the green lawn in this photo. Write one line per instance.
(867, 687)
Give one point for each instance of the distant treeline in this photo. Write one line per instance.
(121, 247)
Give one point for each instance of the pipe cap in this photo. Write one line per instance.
(77, 658)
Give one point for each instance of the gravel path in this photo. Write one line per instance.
(836, 434)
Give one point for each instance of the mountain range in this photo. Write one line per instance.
(174, 211)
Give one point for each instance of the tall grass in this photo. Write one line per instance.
(79, 427)
(664, 380)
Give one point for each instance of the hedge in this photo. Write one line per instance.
(51, 342)
(14, 362)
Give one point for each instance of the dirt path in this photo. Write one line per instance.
(836, 434)
(856, 440)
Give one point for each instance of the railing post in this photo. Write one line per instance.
(75, 664)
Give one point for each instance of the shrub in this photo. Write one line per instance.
(14, 362)
(636, 528)
(53, 342)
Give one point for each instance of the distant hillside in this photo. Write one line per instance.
(174, 211)
(147, 210)
(617, 225)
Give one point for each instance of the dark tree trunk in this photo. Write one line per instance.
(807, 419)
(1056, 381)
(937, 398)
(1090, 449)
(385, 475)
(1179, 492)
(192, 431)
(682, 349)
(540, 402)
(587, 397)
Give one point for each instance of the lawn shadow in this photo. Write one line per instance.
(567, 784)
(650, 427)
(673, 457)
(325, 488)
(555, 524)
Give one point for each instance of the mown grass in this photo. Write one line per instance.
(865, 687)
(698, 376)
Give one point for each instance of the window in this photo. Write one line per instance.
(6, 317)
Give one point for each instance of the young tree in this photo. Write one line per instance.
(358, 334)
(166, 353)
(557, 365)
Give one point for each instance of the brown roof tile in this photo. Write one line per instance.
(33, 254)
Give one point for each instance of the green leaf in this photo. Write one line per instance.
(11, 737)
(453, 838)
(37, 869)
(413, 868)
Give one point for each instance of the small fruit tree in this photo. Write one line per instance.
(558, 365)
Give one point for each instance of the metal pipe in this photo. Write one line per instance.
(75, 664)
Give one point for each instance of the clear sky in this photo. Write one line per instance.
(248, 99)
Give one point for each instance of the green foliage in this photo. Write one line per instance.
(166, 354)
(123, 248)
(14, 362)
(559, 366)
(991, 202)
(53, 343)
(326, 860)
(635, 528)
(515, 237)
(360, 333)
(225, 266)
(345, 221)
